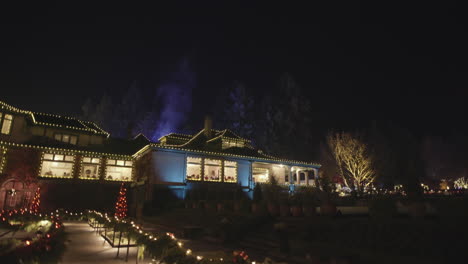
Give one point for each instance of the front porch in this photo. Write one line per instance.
(284, 174)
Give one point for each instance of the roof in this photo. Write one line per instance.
(51, 120)
(110, 147)
(200, 143)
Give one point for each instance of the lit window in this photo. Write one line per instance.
(66, 138)
(6, 120)
(212, 170)
(90, 168)
(194, 169)
(232, 143)
(118, 170)
(57, 166)
(230, 171)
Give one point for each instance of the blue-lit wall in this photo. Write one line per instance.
(169, 171)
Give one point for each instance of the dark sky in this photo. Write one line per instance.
(356, 62)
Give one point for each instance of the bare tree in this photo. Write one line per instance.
(355, 163)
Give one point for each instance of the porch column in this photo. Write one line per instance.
(298, 176)
(306, 175)
(291, 180)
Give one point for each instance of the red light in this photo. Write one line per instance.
(48, 235)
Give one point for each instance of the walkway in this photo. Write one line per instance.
(85, 246)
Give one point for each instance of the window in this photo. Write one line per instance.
(194, 169)
(5, 121)
(212, 170)
(118, 170)
(66, 138)
(57, 166)
(90, 168)
(232, 143)
(230, 171)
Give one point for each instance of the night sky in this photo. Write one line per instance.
(356, 63)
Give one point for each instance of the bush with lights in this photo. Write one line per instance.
(43, 246)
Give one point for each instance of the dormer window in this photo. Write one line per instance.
(66, 138)
(228, 143)
(5, 122)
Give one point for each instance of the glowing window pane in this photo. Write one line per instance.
(73, 140)
(120, 162)
(212, 170)
(230, 171)
(228, 163)
(86, 159)
(48, 156)
(111, 162)
(95, 160)
(193, 172)
(89, 171)
(58, 137)
(69, 158)
(194, 169)
(114, 173)
(193, 160)
(6, 127)
(66, 138)
(56, 169)
(128, 163)
(58, 157)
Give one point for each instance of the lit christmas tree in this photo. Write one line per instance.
(36, 201)
(121, 208)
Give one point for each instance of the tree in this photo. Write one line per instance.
(121, 208)
(34, 207)
(287, 124)
(354, 162)
(238, 111)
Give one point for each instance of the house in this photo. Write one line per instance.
(77, 164)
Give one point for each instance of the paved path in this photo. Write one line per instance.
(85, 246)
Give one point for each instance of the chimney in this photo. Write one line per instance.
(208, 127)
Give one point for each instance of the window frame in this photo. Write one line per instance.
(193, 163)
(63, 160)
(236, 165)
(114, 164)
(90, 162)
(69, 138)
(203, 164)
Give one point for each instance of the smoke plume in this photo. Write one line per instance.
(175, 95)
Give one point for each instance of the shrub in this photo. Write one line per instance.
(382, 207)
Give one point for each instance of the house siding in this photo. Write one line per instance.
(168, 167)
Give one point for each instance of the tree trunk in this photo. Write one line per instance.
(118, 248)
(128, 246)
